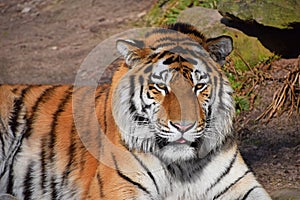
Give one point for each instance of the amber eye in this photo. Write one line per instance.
(161, 88)
(199, 87)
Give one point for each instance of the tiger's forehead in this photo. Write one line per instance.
(170, 40)
(161, 34)
(180, 52)
(164, 70)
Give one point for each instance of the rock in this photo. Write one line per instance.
(286, 193)
(246, 49)
(279, 13)
(26, 10)
(54, 48)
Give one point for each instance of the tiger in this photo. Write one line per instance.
(163, 128)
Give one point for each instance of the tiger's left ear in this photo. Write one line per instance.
(219, 48)
(131, 50)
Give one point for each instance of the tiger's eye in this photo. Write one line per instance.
(199, 86)
(161, 86)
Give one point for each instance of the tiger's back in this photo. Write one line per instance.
(44, 157)
(139, 138)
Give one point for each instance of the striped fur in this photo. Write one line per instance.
(163, 129)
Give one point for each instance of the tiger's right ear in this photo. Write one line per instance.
(131, 50)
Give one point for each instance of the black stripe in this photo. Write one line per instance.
(100, 182)
(44, 96)
(2, 139)
(249, 191)
(176, 39)
(233, 159)
(126, 177)
(54, 192)
(207, 67)
(17, 107)
(220, 95)
(141, 80)
(208, 118)
(171, 60)
(163, 54)
(106, 110)
(51, 144)
(11, 165)
(43, 161)
(166, 44)
(83, 154)
(141, 95)
(55, 116)
(191, 61)
(132, 108)
(16, 149)
(132, 84)
(179, 50)
(192, 53)
(100, 91)
(147, 170)
(11, 169)
(27, 183)
(148, 69)
(186, 29)
(71, 152)
(149, 96)
(159, 31)
(193, 44)
(232, 184)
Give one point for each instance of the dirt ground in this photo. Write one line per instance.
(272, 148)
(45, 41)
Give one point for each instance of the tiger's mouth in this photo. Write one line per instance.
(183, 142)
(162, 142)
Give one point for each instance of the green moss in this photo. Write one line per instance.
(242, 103)
(167, 11)
(279, 13)
(248, 51)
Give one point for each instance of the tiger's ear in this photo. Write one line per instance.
(131, 50)
(219, 48)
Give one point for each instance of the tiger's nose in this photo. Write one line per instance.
(183, 126)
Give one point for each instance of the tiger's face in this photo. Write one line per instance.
(164, 104)
(179, 93)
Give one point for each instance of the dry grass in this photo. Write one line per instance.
(288, 93)
(285, 99)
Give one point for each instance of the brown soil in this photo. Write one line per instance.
(46, 41)
(272, 147)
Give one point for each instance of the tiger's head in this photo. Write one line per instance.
(174, 100)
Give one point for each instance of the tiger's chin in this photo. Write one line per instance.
(177, 153)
